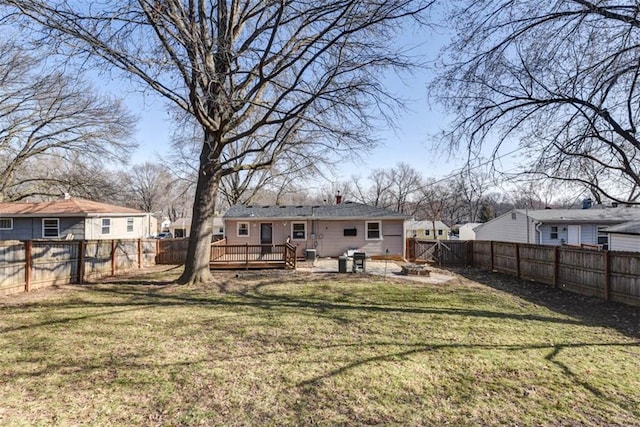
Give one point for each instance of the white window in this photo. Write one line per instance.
(129, 225)
(603, 237)
(106, 225)
(6, 223)
(439, 232)
(374, 230)
(427, 232)
(51, 227)
(243, 229)
(514, 216)
(554, 233)
(299, 231)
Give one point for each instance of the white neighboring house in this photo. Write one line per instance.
(625, 237)
(427, 230)
(467, 231)
(556, 226)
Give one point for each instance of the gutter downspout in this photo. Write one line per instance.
(537, 228)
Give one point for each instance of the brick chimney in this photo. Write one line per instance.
(338, 198)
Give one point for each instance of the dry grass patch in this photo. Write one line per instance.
(280, 348)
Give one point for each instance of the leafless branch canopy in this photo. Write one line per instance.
(560, 78)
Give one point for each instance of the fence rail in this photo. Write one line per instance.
(33, 264)
(610, 275)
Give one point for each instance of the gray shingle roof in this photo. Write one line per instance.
(345, 210)
(608, 215)
(631, 227)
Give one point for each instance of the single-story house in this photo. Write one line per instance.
(73, 219)
(468, 231)
(182, 228)
(330, 230)
(427, 230)
(556, 226)
(625, 237)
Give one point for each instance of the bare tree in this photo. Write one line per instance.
(150, 185)
(406, 183)
(48, 119)
(559, 78)
(251, 73)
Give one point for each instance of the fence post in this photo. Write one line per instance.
(517, 261)
(469, 244)
(139, 253)
(113, 257)
(491, 256)
(27, 265)
(607, 276)
(556, 268)
(81, 249)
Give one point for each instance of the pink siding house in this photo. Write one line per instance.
(330, 230)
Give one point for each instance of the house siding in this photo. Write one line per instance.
(624, 242)
(326, 236)
(118, 227)
(506, 229)
(31, 228)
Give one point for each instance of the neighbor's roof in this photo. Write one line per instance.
(631, 227)
(345, 210)
(64, 207)
(426, 225)
(607, 215)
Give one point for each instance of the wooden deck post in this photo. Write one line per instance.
(246, 255)
(27, 265)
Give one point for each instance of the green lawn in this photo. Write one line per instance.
(280, 348)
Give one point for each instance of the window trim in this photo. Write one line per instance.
(57, 236)
(10, 222)
(102, 227)
(366, 237)
(238, 229)
(293, 235)
(553, 232)
(131, 223)
(602, 234)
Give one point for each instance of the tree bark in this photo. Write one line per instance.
(196, 268)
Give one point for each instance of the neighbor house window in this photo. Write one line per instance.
(554, 233)
(426, 232)
(439, 232)
(299, 230)
(50, 227)
(603, 237)
(6, 223)
(514, 216)
(374, 230)
(106, 226)
(243, 229)
(129, 225)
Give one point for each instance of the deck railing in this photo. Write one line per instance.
(224, 255)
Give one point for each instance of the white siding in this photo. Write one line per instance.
(506, 229)
(118, 229)
(624, 242)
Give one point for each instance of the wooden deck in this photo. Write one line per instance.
(236, 257)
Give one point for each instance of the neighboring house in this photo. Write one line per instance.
(332, 230)
(427, 230)
(556, 226)
(625, 237)
(468, 231)
(182, 228)
(71, 218)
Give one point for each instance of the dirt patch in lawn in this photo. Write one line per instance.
(591, 310)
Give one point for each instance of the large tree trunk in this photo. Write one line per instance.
(196, 268)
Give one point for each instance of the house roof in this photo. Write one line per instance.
(426, 225)
(64, 207)
(345, 210)
(631, 227)
(609, 215)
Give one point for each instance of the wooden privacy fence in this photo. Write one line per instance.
(33, 264)
(610, 275)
